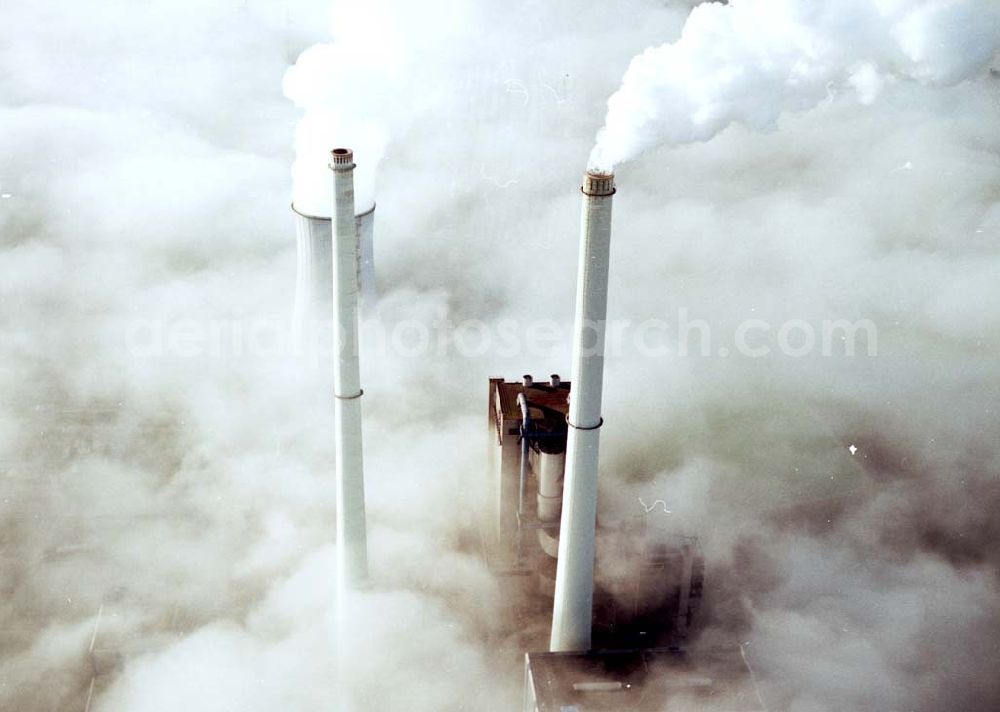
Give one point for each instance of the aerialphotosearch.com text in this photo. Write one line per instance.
(684, 336)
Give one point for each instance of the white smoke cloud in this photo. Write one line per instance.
(750, 61)
(371, 77)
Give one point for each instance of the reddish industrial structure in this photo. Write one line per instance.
(650, 600)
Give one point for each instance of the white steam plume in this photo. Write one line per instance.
(751, 60)
(342, 86)
(360, 87)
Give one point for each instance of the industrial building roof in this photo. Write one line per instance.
(540, 395)
(655, 679)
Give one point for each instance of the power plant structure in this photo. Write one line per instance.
(615, 638)
(649, 601)
(575, 574)
(335, 272)
(352, 543)
(610, 638)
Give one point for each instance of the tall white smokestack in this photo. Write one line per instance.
(571, 613)
(352, 545)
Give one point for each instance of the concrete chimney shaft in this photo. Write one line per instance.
(352, 544)
(574, 594)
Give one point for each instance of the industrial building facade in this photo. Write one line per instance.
(648, 598)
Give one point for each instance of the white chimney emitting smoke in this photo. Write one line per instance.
(352, 545)
(571, 613)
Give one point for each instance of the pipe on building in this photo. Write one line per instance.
(352, 545)
(684, 599)
(572, 606)
(551, 467)
(522, 483)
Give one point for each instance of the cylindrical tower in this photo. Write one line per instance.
(365, 226)
(352, 545)
(314, 275)
(314, 278)
(572, 608)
